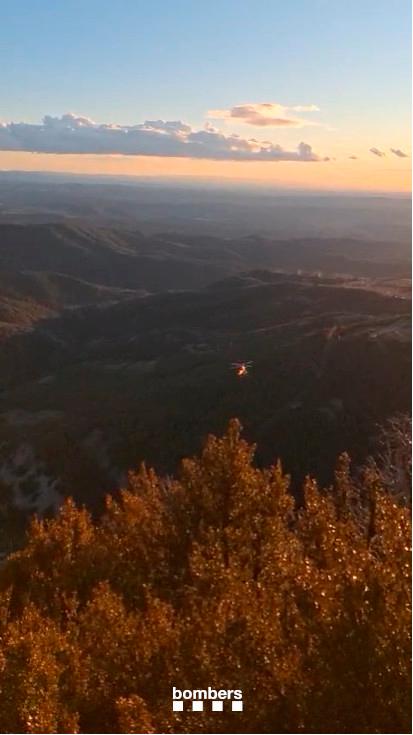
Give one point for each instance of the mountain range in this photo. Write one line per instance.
(116, 347)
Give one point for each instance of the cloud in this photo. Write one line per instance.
(399, 153)
(75, 134)
(265, 114)
(305, 108)
(377, 152)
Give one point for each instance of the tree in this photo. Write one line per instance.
(216, 578)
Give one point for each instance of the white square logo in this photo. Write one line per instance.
(197, 706)
(177, 706)
(217, 706)
(236, 705)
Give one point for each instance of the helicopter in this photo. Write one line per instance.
(241, 368)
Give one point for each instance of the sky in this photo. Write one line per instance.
(306, 93)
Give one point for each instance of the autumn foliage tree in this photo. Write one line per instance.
(219, 579)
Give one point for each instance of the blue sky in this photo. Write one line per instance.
(130, 61)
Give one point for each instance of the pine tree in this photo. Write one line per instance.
(216, 578)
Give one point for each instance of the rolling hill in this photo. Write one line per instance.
(96, 390)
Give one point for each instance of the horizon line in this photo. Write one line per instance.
(217, 182)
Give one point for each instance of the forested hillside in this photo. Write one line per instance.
(89, 393)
